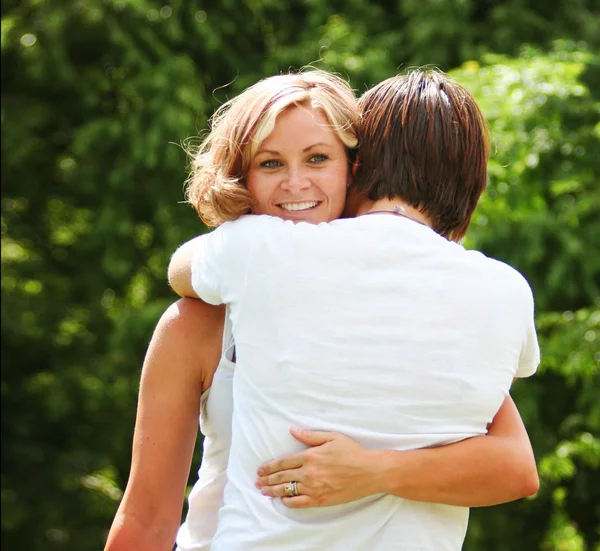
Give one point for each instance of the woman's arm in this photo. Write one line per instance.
(181, 359)
(180, 270)
(479, 471)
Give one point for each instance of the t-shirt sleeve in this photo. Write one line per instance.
(529, 358)
(220, 260)
(208, 258)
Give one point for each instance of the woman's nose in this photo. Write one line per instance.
(296, 179)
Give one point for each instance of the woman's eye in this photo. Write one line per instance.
(271, 163)
(319, 158)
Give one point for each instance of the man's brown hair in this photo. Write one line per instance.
(424, 139)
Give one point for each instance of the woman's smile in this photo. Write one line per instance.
(300, 171)
(306, 205)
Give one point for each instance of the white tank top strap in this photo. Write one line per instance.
(227, 334)
(216, 410)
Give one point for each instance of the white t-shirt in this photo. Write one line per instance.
(375, 327)
(206, 497)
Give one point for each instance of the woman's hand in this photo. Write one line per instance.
(333, 470)
(475, 472)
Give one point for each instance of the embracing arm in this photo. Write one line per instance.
(180, 270)
(183, 350)
(479, 471)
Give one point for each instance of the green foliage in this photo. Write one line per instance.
(97, 98)
(540, 214)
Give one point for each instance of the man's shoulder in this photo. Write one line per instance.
(264, 222)
(248, 221)
(246, 228)
(500, 273)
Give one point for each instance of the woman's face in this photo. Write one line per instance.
(300, 171)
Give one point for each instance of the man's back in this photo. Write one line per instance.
(377, 328)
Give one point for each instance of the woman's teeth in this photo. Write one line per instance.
(299, 206)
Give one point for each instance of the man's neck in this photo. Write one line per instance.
(391, 205)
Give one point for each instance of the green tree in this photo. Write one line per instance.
(540, 214)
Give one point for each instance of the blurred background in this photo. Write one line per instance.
(97, 98)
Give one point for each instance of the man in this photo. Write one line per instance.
(380, 327)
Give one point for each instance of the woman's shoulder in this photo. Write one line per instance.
(197, 327)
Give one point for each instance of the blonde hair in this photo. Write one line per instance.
(216, 186)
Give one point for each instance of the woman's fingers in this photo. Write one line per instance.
(302, 501)
(313, 437)
(310, 438)
(299, 502)
(280, 490)
(334, 472)
(278, 478)
(283, 464)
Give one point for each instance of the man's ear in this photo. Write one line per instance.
(351, 173)
(353, 201)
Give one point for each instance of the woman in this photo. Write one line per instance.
(470, 481)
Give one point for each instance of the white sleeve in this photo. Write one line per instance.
(220, 259)
(529, 358)
(207, 266)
